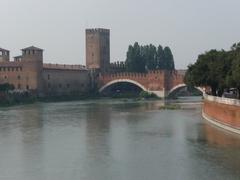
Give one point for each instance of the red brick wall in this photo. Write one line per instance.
(224, 113)
(153, 80)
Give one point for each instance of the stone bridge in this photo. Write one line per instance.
(160, 82)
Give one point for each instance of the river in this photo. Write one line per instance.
(114, 140)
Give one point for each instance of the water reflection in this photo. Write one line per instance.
(114, 139)
(220, 138)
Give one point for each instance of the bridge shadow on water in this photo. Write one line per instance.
(122, 90)
(184, 91)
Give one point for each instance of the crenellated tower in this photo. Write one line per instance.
(4, 55)
(98, 49)
(32, 60)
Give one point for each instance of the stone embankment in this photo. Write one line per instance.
(223, 112)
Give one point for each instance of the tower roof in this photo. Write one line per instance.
(98, 30)
(32, 48)
(1, 49)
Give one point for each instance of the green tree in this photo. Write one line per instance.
(233, 76)
(210, 70)
(148, 57)
(6, 87)
(160, 58)
(135, 62)
(168, 59)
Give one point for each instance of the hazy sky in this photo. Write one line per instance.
(189, 27)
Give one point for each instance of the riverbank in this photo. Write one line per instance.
(28, 98)
(222, 112)
(11, 99)
(7, 100)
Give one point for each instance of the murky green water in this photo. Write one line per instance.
(114, 140)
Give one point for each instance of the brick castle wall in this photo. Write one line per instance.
(151, 81)
(65, 81)
(27, 72)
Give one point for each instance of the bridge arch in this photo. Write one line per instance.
(179, 86)
(120, 81)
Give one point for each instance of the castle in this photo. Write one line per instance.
(28, 72)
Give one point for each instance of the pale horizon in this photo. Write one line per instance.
(188, 28)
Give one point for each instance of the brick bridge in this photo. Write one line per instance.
(160, 82)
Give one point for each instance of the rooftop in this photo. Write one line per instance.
(98, 30)
(32, 48)
(1, 49)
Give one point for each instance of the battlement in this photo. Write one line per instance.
(10, 64)
(133, 74)
(4, 55)
(4, 51)
(118, 64)
(18, 58)
(64, 67)
(125, 75)
(97, 30)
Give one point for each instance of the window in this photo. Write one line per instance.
(19, 77)
(48, 77)
(27, 87)
(5, 77)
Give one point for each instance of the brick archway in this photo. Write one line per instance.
(122, 80)
(175, 88)
(159, 82)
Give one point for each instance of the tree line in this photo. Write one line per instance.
(219, 70)
(149, 57)
(6, 87)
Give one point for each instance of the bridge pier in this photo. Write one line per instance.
(161, 94)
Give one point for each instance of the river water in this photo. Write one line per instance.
(114, 140)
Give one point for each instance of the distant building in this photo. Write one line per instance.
(28, 72)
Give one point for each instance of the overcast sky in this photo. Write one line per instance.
(188, 27)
